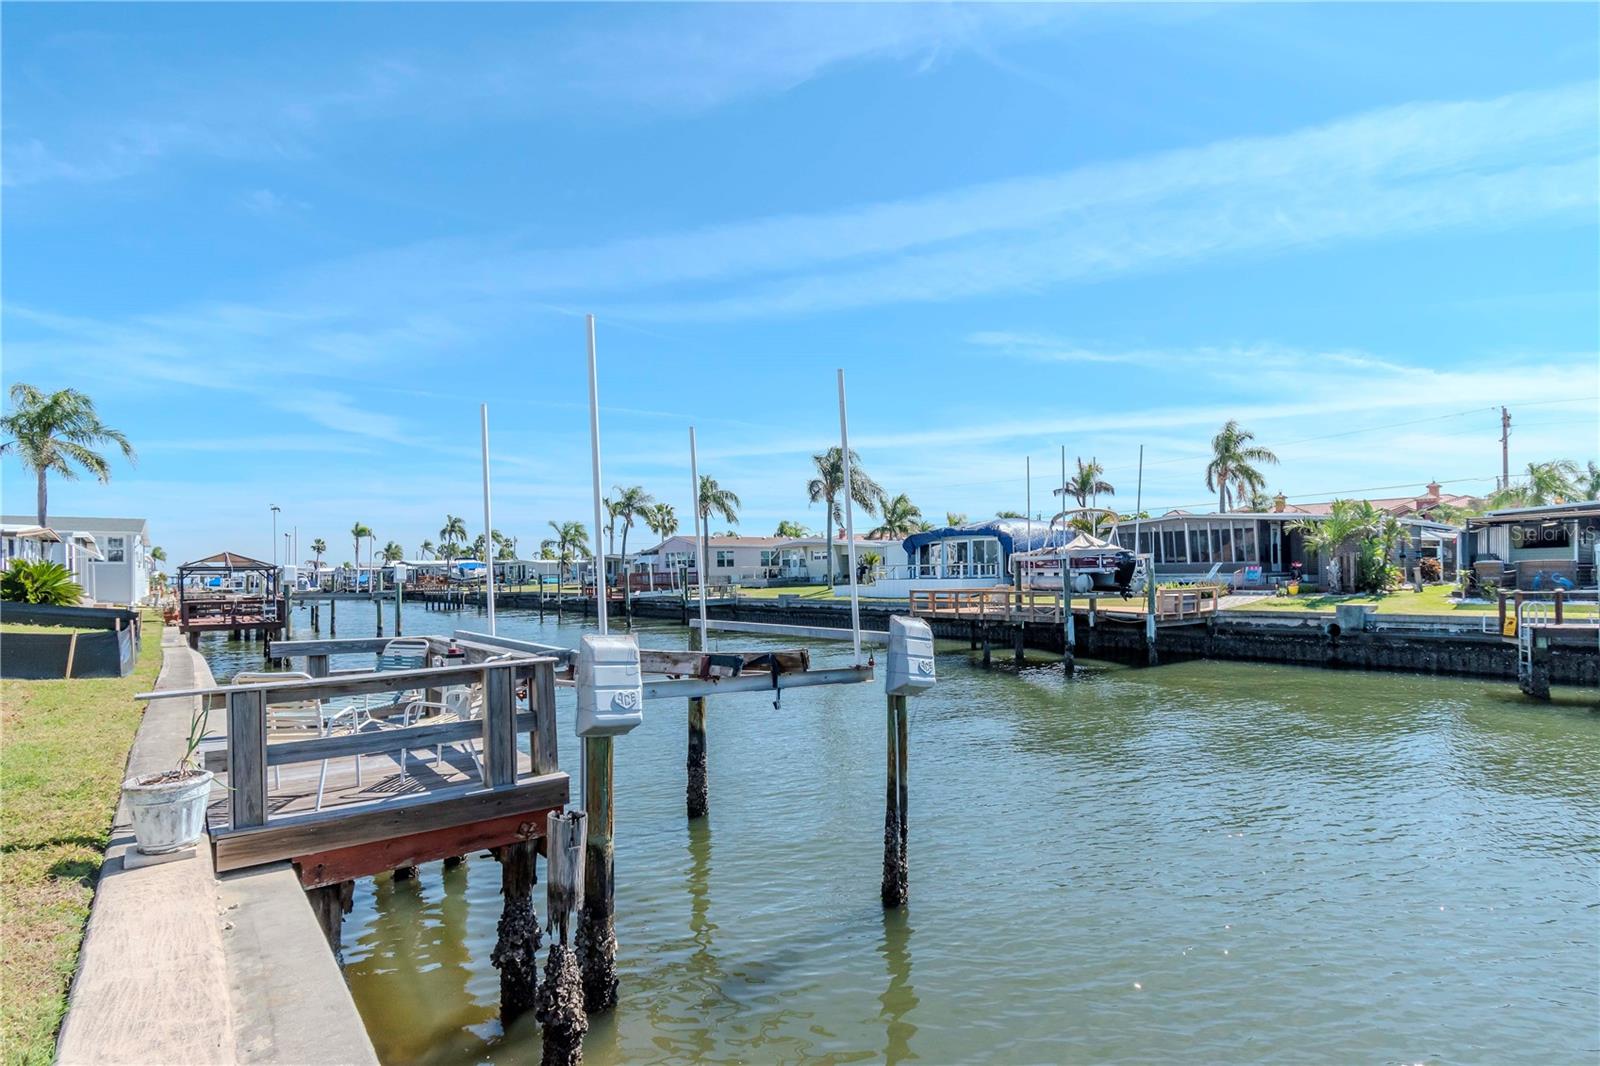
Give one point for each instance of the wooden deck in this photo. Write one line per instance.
(1005, 603)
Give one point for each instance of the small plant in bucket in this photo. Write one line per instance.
(168, 807)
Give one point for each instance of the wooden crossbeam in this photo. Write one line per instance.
(300, 835)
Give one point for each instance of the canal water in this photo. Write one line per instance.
(1203, 861)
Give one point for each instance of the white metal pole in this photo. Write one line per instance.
(699, 535)
(488, 524)
(1028, 514)
(594, 449)
(1138, 500)
(849, 524)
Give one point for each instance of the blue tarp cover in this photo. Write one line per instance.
(1012, 533)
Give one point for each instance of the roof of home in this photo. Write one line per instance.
(227, 561)
(720, 542)
(73, 523)
(1574, 509)
(29, 532)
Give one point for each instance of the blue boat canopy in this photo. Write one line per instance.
(1013, 533)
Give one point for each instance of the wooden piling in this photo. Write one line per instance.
(399, 602)
(1018, 642)
(377, 606)
(330, 903)
(597, 939)
(1150, 612)
(516, 946)
(1559, 599)
(986, 647)
(333, 618)
(895, 883)
(696, 792)
(561, 1009)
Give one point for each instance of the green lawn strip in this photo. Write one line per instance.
(1433, 599)
(63, 748)
(25, 627)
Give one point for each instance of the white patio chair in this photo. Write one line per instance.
(300, 720)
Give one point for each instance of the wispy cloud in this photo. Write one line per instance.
(652, 61)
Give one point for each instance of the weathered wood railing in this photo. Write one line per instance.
(254, 835)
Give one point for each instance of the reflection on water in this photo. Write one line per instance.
(1207, 861)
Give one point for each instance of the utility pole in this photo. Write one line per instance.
(1505, 449)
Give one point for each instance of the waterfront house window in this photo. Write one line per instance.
(724, 558)
(1244, 543)
(1146, 542)
(1172, 546)
(986, 557)
(769, 557)
(116, 549)
(1199, 546)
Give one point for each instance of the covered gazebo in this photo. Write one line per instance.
(212, 597)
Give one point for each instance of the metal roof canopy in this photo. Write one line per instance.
(225, 561)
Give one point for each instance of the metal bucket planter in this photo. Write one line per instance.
(167, 814)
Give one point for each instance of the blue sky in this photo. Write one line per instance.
(290, 248)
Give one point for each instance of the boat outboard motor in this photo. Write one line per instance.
(1124, 576)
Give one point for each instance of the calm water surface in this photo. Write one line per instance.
(1206, 861)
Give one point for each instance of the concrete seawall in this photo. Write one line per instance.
(1234, 637)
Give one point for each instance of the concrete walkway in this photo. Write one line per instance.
(179, 968)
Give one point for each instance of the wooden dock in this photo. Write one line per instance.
(1009, 604)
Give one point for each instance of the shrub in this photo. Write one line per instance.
(1431, 570)
(39, 581)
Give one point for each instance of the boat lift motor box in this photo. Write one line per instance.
(910, 667)
(610, 686)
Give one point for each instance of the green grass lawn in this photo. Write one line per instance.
(25, 627)
(63, 748)
(800, 592)
(1433, 599)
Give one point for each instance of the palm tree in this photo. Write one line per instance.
(1543, 483)
(714, 499)
(318, 548)
(1334, 537)
(451, 535)
(631, 502)
(158, 553)
(571, 542)
(1589, 481)
(425, 549)
(955, 518)
(662, 520)
(1009, 514)
(393, 553)
(1232, 470)
(826, 487)
(901, 518)
(358, 531)
(609, 509)
(55, 433)
(1258, 502)
(790, 529)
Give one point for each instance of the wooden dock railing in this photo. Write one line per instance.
(490, 804)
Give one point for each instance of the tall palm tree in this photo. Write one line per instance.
(1232, 470)
(901, 518)
(631, 502)
(425, 549)
(608, 507)
(955, 518)
(319, 548)
(714, 499)
(451, 534)
(662, 520)
(827, 486)
(1589, 481)
(790, 529)
(55, 433)
(1542, 483)
(571, 542)
(358, 531)
(393, 553)
(1257, 502)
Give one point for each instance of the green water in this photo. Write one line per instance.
(1209, 861)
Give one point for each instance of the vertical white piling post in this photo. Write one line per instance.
(849, 524)
(594, 451)
(488, 527)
